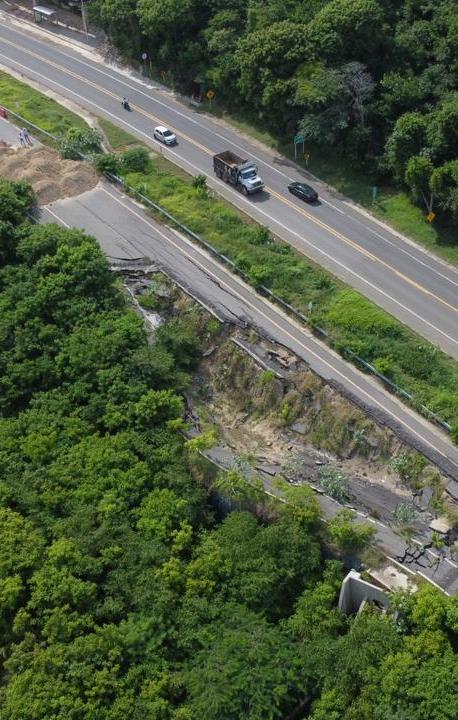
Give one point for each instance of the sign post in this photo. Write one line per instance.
(374, 192)
(210, 96)
(298, 140)
(144, 57)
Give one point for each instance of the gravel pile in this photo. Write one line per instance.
(51, 177)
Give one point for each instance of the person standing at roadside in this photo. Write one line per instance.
(22, 138)
(27, 138)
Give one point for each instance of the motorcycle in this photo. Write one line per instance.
(125, 104)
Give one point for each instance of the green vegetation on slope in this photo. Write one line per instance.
(352, 321)
(122, 598)
(116, 136)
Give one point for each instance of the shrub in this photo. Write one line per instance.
(335, 483)
(135, 160)
(353, 312)
(199, 182)
(384, 365)
(150, 302)
(409, 466)
(420, 360)
(287, 414)
(261, 236)
(107, 163)
(347, 534)
(259, 275)
(403, 514)
(455, 433)
(80, 141)
(266, 377)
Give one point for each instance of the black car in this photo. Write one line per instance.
(303, 191)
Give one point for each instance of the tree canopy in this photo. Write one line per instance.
(376, 80)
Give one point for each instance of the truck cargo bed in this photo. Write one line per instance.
(229, 158)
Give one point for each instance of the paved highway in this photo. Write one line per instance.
(125, 232)
(416, 287)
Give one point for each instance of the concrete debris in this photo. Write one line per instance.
(299, 428)
(441, 525)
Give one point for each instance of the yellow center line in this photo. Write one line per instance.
(105, 91)
(351, 243)
(360, 249)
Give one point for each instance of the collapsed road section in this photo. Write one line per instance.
(125, 231)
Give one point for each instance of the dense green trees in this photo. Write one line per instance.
(122, 596)
(376, 79)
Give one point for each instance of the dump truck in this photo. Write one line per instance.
(242, 174)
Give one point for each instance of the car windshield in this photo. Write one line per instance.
(251, 173)
(167, 133)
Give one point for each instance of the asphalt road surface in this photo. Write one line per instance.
(125, 231)
(416, 287)
(9, 133)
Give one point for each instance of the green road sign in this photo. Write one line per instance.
(299, 139)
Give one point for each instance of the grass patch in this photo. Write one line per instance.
(117, 137)
(36, 108)
(410, 220)
(353, 322)
(393, 207)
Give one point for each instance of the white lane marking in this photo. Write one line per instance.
(439, 587)
(405, 252)
(48, 209)
(236, 280)
(323, 200)
(404, 567)
(189, 118)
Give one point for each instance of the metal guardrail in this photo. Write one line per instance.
(317, 330)
(30, 124)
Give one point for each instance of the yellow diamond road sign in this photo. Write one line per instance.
(430, 217)
(210, 94)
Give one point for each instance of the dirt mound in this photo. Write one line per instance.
(51, 177)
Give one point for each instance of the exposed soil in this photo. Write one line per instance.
(51, 177)
(275, 417)
(272, 409)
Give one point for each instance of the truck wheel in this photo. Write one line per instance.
(244, 190)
